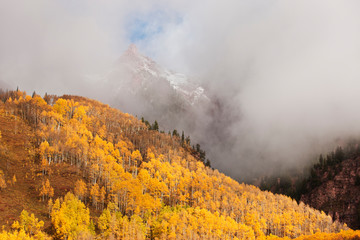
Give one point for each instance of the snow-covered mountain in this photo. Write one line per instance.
(138, 85)
(139, 75)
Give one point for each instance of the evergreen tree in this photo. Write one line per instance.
(321, 160)
(147, 124)
(198, 148)
(175, 133)
(208, 164)
(187, 140)
(155, 126)
(339, 154)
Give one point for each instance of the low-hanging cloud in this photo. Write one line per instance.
(285, 72)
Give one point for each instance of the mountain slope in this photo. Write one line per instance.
(331, 185)
(133, 183)
(139, 85)
(335, 189)
(144, 74)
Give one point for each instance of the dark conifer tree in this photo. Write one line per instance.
(155, 126)
(321, 160)
(175, 133)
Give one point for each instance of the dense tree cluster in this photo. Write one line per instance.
(143, 183)
(297, 184)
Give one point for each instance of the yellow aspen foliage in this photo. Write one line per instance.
(16, 235)
(61, 106)
(95, 194)
(28, 223)
(143, 180)
(13, 180)
(2, 180)
(102, 195)
(80, 189)
(104, 223)
(70, 218)
(50, 206)
(46, 190)
(80, 114)
(102, 131)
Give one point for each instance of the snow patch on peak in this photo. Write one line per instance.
(144, 72)
(175, 79)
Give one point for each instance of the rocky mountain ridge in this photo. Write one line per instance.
(138, 73)
(338, 191)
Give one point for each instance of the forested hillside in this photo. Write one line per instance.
(335, 180)
(74, 168)
(332, 184)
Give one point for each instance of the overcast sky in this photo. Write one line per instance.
(290, 69)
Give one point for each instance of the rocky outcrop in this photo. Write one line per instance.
(337, 192)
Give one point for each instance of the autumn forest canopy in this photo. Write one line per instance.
(74, 168)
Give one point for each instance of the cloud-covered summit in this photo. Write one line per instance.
(285, 73)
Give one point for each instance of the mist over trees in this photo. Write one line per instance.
(279, 80)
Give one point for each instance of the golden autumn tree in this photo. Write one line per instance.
(2, 180)
(71, 218)
(13, 181)
(30, 225)
(80, 190)
(95, 195)
(46, 190)
(148, 184)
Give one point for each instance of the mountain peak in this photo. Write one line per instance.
(145, 72)
(132, 49)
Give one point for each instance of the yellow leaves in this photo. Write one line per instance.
(150, 154)
(102, 131)
(13, 181)
(80, 189)
(124, 149)
(28, 223)
(104, 220)
(16, 225)
(28, 98)
(61, 106)
(2, 180)
(95, 194)
(347, 234)
(144, 179)
(65, 107)
(102, 195)
(108, 146)
(70, 218)
(46, 190)
(115, 226)
(50, 206)
(37, 100)
(187, 223)
(80, 114)
(45, 149)
(136, 156)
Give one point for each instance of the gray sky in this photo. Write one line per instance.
(287, 71)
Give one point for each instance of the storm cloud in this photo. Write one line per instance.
(285, 73)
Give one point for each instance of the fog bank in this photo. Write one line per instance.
(284, 74)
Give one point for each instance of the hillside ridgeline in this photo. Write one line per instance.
(89, 171)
